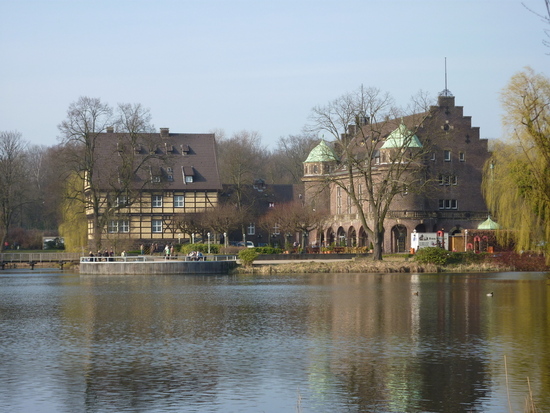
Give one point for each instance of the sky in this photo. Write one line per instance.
(257, 65)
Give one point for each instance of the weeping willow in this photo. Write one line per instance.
(516, 181)
(73, 227)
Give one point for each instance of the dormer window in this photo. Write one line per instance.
(188, 174)
(156, 174)
(185, 149)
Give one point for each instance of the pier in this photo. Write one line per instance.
(14, 259)
(154, 265)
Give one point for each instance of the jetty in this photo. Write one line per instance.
(17, 259)
(155, 265)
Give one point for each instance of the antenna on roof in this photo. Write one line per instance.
(446, 92)
(446, 74)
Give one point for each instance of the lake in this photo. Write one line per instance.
(295, 343)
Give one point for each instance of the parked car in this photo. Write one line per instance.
(249, 244)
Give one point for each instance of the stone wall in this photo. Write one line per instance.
(157, 267)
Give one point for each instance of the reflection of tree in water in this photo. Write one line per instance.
(417, 352)
(145, 384)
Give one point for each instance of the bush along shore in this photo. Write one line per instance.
(427, 260)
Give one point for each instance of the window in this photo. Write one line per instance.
(188, 179)
(118, 226)
(124, 226)
(122, 201)
(112, 227)
(271, 205)
(338, 200)
(448, 204)
(157, 201)
(454, 180)
(170, 178)
(461, 157)
(447, 156)
(156, 226)
(276, 229)
(251, 230)
(179, 201)
(433, 156)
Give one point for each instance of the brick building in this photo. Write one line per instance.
(452, 201)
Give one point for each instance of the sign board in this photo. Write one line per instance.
(429, 239)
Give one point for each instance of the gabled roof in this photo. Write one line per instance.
(401, 138)
(166, 159)
(488, 224)
(322, 153)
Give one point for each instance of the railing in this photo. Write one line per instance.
(37, 257)
(151, 258)
(405, 214)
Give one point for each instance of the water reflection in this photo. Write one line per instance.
(333, 342)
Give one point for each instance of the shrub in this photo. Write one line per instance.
(433, 255)
(187, 248)
(268, 250)
(231, 250)
(247, 256)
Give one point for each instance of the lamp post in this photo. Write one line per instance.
(209, 242)
(225, 239)
(465, 240)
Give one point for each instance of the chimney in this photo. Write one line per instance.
(164, 132)
(110, 129)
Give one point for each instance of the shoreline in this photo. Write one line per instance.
(364, 266)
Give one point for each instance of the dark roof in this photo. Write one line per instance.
(262, 197)
(163, 161)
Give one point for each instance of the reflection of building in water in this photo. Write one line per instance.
(408, 342)
(125, 324)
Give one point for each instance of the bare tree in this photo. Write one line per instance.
(285, 164)
(241, 160)
(105, 180)
(223, 219)
(369, 172)
(291, 218)
(13, 193)
(545, 18)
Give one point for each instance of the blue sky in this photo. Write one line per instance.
(257, 65)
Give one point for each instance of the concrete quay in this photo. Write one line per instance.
(127, 266)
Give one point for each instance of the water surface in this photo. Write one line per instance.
(307, 343)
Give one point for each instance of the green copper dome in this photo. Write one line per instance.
(321, 153)
(397, 139)
(488, 224)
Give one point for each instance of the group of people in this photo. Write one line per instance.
(108, 255)
(195, 256)
(102, 255)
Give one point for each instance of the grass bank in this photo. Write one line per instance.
(367, 266)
